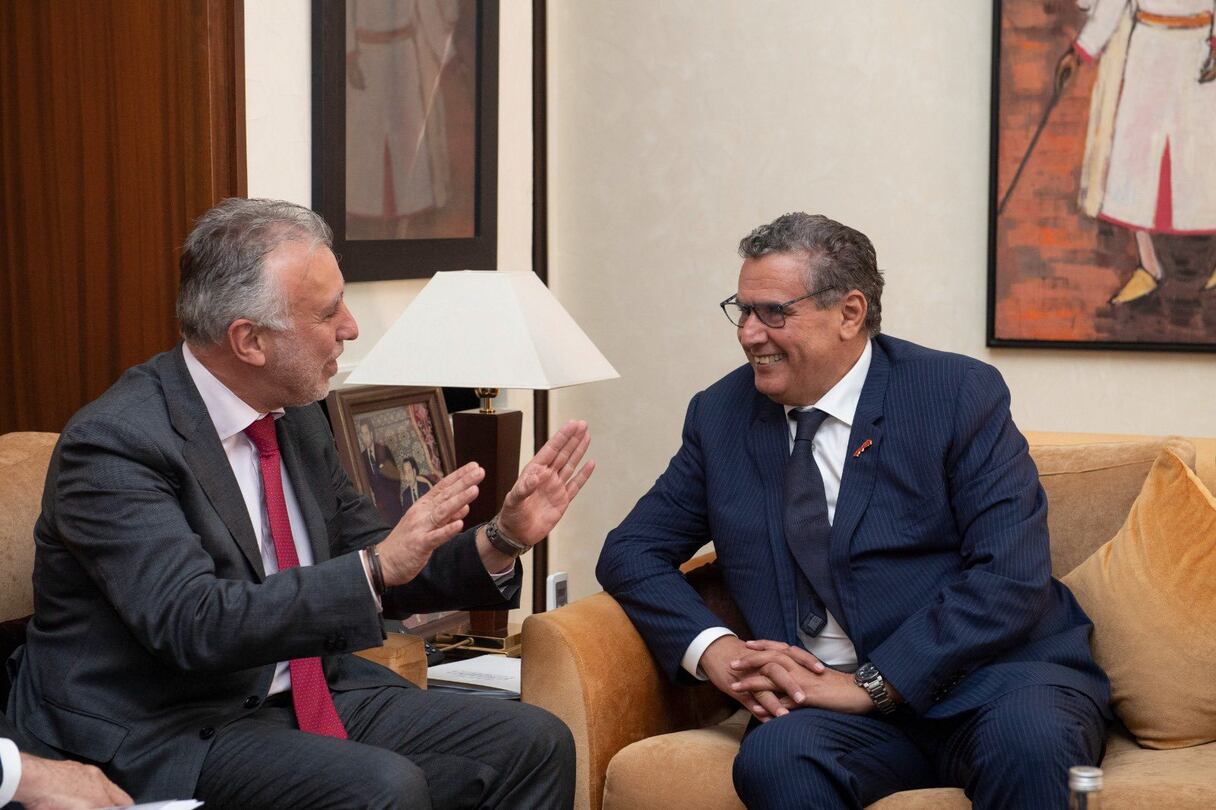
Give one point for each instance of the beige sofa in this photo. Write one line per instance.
(644, 743)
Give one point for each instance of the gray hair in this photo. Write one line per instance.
(223, 259)
(838, 259)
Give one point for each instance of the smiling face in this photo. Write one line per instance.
(301, 359)
(798, 363)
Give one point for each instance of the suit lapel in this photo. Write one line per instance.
(860, 471)
(302, 484)
(769, 446)
(205, 457)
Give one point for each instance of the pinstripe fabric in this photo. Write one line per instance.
(1012, 753)
(938, 550)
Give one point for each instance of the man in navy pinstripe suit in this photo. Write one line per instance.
(927, 643)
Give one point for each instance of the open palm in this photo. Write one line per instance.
(547, 485)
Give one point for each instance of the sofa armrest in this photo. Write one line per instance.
(587, 664)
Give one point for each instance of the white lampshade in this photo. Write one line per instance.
(484, 329)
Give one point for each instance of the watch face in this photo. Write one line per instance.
(865, 672)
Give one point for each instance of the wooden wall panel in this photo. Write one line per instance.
(120, 122)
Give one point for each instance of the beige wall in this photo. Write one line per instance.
(675, 127)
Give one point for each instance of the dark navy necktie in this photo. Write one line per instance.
(807, 530)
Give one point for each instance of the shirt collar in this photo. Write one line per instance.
(229, 413)
(840, 402)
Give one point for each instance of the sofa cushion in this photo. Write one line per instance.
(1151, 593)
(23, 461)
(1143, 779)
(1091, 487)
(687, 770)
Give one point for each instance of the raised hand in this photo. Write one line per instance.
(433, 520)
(547, 485)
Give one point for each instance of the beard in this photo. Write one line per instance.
(301, 379)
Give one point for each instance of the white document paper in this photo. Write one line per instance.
(483, 673)
(173, 804)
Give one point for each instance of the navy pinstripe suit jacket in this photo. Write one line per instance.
(938, 550)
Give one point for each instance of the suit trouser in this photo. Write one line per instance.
(1013, 752)
(408, 748)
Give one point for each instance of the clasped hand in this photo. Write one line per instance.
(537, 501)
(770, 678)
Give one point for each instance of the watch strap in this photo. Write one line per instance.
(507, 545)
(870, 679)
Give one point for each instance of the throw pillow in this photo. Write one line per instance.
(1091, 487)
(1151, 593)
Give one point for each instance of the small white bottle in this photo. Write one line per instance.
(1084, 788)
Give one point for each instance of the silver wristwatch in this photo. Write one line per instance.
(870, 679)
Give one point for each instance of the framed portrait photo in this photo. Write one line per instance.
(395, 443)
(405, 134)
(1103, 190)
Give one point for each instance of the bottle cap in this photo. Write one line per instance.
(1084, 779)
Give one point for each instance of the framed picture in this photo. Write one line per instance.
(1103, 192)
(395, 443)
(405, 134)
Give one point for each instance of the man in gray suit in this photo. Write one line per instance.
(204, 567)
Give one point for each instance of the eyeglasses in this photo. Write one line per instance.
(771, 315)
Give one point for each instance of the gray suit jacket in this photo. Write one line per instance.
(154, 622)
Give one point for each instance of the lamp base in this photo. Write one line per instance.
(467, 645)
(492, 440)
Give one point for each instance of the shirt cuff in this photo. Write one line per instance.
(10, 761)
(692, 656)
(503, 579)
(367, 572)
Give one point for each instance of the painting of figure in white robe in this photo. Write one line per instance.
(1108, 234)
(410, 119)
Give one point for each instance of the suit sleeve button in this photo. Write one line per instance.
(206, 733)
(252, 701)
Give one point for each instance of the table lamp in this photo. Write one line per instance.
(487, 330)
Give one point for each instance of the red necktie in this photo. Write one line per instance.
(314, 705)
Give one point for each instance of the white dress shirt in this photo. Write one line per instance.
(10, 761)
(831, 449)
